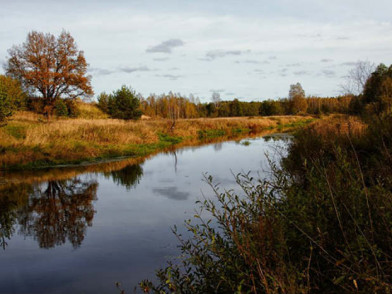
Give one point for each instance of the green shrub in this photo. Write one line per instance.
(5, 106)
(122, 104)
(12, 89)
(61, 108)
(72, 108)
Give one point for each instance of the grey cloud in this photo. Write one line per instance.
(204, 59)
(301, 72)
(310, 36)
(342, 38)
(272, 57)
(350, 63)
(169, 76)
(166, 46)
(326, 60)
(161, 59)
(294, 64)
(100, 71)
(171, 193)
(217, 90)
(248, 61)
(230, 94)
(328, 73)
(134, 69)
(211, 55)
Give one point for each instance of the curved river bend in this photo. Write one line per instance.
(66, 231)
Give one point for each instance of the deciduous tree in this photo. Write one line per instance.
(51, 67)
(297, 99)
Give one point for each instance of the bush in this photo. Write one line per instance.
(60, 108)
(5, 106)
(12, 97)
(15, 95)
(122, 104)
(72, 108)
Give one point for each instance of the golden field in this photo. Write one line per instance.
(30, 140)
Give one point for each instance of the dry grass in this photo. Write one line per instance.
(337, 125)
(30, 139)
(90, 111)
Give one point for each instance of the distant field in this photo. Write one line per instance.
(29, 140)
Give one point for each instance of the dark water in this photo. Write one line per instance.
(80, 231)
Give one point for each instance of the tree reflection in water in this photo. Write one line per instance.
(56, 211)
(59, 212)
(128, 177)
(12, 197)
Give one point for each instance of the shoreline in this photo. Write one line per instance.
(148, 138)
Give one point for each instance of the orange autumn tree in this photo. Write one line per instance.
(51, 67)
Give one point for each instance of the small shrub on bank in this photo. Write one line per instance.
(60, 108)
(122, 104)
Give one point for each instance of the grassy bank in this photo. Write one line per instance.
(30, 141)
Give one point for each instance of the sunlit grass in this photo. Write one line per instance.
(30, 140)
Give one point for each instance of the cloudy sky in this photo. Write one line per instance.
(248, 49)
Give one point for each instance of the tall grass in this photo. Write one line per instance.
(29, 139)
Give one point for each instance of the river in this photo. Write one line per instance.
(82, 230)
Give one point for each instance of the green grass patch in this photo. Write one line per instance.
(16, 131)
(239, 130)
(166, 138)
(207, 134)
(297, 124)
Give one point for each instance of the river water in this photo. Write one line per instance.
(81, 230)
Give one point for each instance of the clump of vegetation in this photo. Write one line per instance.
(5, 106)
(206, 134)
(61, 108)
(122, 104)
(12, 97)
(89, 111)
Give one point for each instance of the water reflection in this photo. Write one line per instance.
(12, 198)
(52, 213)
(128, 177)
(171, 193)
(139, 200)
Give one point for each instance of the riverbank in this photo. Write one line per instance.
(30, 141)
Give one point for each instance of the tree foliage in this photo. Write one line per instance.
(377, 93)
(12, 97)
(297, 99)
(122, 104)
(51, 67)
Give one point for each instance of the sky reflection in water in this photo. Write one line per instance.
(84, 233)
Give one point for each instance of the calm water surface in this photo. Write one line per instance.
(81, 233)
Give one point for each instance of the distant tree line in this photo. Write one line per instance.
(46, 74)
